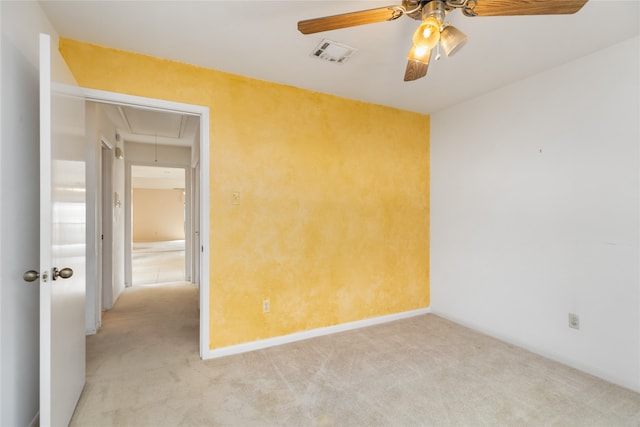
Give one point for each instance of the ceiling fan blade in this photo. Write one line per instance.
(352, 19)
(527, 7)
(415, 70)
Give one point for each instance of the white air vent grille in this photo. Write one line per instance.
(333, 52)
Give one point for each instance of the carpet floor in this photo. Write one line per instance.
(157, 262)
(143, 370)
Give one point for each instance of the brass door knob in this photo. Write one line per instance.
(31, 276)
(65, 273)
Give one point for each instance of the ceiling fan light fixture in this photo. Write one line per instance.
(420, 54)
(452, 40)
(428, 33)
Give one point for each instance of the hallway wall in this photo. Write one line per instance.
(158, 214)
(100, 126)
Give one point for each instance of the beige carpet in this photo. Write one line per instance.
(143, 370)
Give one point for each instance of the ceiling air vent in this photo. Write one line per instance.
(333, 52)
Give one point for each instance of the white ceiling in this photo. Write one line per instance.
(259, 39)
(152, 127)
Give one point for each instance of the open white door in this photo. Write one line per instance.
(62, 245)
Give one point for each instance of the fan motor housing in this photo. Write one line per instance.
(413, 4)
(420, 7)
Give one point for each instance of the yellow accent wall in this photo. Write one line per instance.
(333, 220)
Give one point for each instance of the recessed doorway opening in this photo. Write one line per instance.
(170, 138)
(159, 221)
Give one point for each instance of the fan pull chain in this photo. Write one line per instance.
(438, 52)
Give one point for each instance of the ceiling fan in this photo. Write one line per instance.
(434, 33)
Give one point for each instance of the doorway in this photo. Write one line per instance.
(120, 118)
(159, 211)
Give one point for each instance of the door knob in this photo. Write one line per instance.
(31, 276)
(65, 273)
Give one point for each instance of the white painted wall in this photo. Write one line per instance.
(535, 213)
(19, 175)
(92, 318)
(104, 127)
(19, 245)
(164, 155)
(99, 127)
(119, 214)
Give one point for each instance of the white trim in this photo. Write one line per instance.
(188, 222)
(313, 333)
(128, 226)
(143, 102)
(204, 235)
(196, 110)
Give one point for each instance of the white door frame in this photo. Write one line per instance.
(105, 215)
(195, 221)
(203, 113)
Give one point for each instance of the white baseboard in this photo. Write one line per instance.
(313, 333)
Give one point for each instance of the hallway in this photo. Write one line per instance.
(147, 341)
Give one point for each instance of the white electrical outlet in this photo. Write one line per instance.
(574, 321)
(266, 305)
